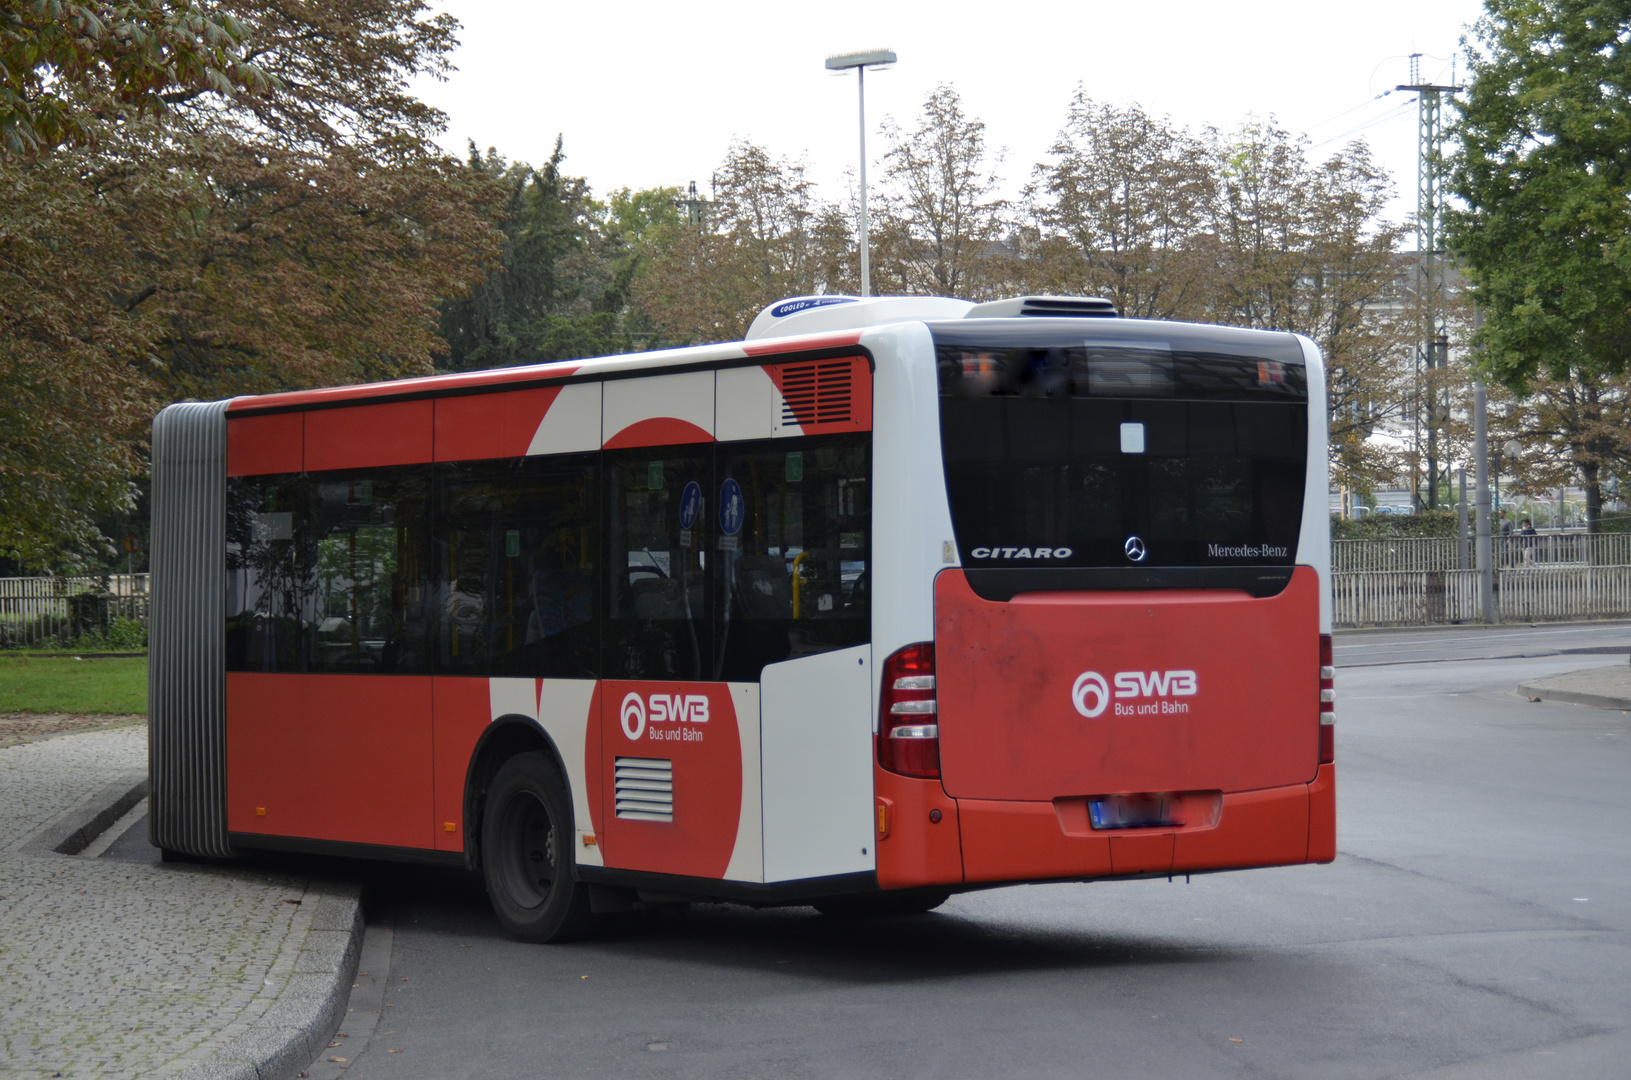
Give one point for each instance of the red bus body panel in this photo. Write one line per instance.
(482, 426)
(1244, 719)
(262, 445)
(365, 436)
(330, 757)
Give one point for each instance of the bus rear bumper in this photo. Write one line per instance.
(1029, 841)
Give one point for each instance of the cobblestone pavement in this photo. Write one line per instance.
(114, 969)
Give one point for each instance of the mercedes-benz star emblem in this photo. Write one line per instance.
(1134, 547)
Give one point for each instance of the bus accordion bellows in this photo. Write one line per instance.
(897, 597)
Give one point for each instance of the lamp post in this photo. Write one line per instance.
(860, 61)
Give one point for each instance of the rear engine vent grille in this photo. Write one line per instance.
(816, 393)
(645, 788)
(1077, 307)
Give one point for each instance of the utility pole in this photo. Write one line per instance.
(694, 205)
(1434, 353)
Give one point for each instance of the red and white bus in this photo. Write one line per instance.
(897, 597)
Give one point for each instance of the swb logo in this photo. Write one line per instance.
(678, 708)
(1091, 693)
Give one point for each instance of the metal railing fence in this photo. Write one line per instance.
(39, 612)
(1522, 594)
(1442, 552)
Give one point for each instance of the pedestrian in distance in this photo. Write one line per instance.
(1526, 539)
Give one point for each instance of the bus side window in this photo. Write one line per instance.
(658, 562)
(794, 581)
(516, 543)
(366, 606)
(263, 574)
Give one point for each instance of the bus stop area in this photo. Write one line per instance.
(134, 968)
(113, 968)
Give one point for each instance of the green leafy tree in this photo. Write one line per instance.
(562, 284)
(67, 70)
(1544, 172)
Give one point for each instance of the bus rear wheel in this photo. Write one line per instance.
(526, 853)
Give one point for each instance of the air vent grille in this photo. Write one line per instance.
(1077, 307)
(645, 788)
(817, 393)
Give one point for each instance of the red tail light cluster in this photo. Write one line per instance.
(1328, 703)
(908, 716)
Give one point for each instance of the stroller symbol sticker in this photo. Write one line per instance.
(690, 505)
(732, 509)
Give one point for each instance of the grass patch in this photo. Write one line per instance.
(45, 684)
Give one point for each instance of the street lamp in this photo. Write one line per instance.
(860, 61)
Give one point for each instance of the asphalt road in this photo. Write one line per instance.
(1475, 925)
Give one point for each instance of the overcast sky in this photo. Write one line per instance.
(651, 94)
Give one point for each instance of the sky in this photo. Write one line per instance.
(649, 95)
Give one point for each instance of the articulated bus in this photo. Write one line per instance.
(896, 598)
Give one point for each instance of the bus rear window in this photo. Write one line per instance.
(1124, 452)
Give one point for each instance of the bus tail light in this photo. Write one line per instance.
(1328, 703)
(908, 714)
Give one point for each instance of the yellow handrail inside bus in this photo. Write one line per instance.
(797, 559)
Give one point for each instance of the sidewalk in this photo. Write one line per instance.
(1607, 687)
(120, 969)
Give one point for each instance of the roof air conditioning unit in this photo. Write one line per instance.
(1056, 307)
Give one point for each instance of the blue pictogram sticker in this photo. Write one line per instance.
(732, 508)
(781, 311)
(690, 504)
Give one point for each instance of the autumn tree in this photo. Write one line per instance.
(940, 217)
(1568, 429)
(1303, 246)
(759, 242)
(302, 234)
(1118, 207)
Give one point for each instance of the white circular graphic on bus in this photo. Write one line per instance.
(1089, 684)
(634, 716)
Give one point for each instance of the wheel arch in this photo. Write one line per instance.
(504, 738)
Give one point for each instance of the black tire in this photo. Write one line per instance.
(526, 853)
(883, 905)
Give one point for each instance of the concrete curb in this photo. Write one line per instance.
(71, 831)
(311, 1005)
(1536, 692)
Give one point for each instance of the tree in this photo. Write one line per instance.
(298, 236)
(1570, 429)
(939, 198)
(1303, 247)
(1544, 171)
(757, 244)
(67, 69)
(563, 280)
(1118, 208)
